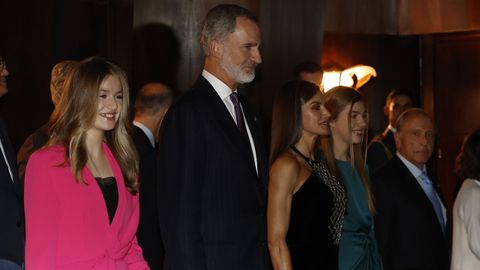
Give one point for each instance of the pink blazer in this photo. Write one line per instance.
(67, 224)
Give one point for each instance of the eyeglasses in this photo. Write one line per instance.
(3, 65)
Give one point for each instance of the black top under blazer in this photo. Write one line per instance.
(211, 201)
(408, 231)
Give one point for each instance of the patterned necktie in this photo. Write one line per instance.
(238, 114)
(433, 197)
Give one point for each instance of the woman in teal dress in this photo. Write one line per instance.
(344, 152)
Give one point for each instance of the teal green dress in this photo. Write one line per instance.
(358, 245)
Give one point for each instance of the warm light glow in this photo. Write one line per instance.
(354, 77)
(335, 78)
(363, 74)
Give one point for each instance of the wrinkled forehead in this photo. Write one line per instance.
(419, 122)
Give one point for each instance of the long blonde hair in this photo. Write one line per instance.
(337, 99)
(77, 111)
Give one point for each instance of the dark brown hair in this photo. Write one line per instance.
(468, 160)
(287, 115)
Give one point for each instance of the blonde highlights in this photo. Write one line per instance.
(76, 112)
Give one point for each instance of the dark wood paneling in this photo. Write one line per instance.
(166, 44)
(36, 34)
(395, 58)
(453, 83)
(402, 17)
(292, 32)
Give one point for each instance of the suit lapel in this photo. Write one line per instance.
(257, 140)
(415, 191)
(216, 108)
(9, 153)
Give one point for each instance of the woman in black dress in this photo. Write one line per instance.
(306, 203)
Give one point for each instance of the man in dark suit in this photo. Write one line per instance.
(151, 104)
(212, 161)
(12, 230)
(382, 147)
(411, 218)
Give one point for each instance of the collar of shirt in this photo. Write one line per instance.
(390, 127)
(220, 87)
(145, 130)
(222, 90)
(414, 170)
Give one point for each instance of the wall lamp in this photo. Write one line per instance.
(354, 77)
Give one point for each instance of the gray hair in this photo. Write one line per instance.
(221, 22)
(412, 112)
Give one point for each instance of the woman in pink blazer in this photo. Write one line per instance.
(81, 201)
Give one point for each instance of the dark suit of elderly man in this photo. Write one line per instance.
(411, 218)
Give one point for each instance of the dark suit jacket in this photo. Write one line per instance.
(12, 230)
(148, 233)
(377, 155)
(407, 228)
(211, 200)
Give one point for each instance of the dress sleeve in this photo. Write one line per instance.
(471, 218)
(41, 221)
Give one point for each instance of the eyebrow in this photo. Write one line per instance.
(108, 91)
(353, 111)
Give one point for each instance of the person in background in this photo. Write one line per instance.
(12, 239)
(466, 215)
(306, 203)
(212, 163)
(151, 104)
(382, 147)
(39, 138)
(344, 151)
(309, 71)
(411, 218)
(81, 191)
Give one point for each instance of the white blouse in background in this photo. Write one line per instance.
(466, 227)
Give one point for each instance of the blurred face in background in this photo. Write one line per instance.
(3, 77)
(396, 106)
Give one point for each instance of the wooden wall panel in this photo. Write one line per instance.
(39, 33)
(453, 84)
(402, 17)
(395, 58)
(166, 40)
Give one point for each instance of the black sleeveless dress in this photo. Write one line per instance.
(316, 220)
